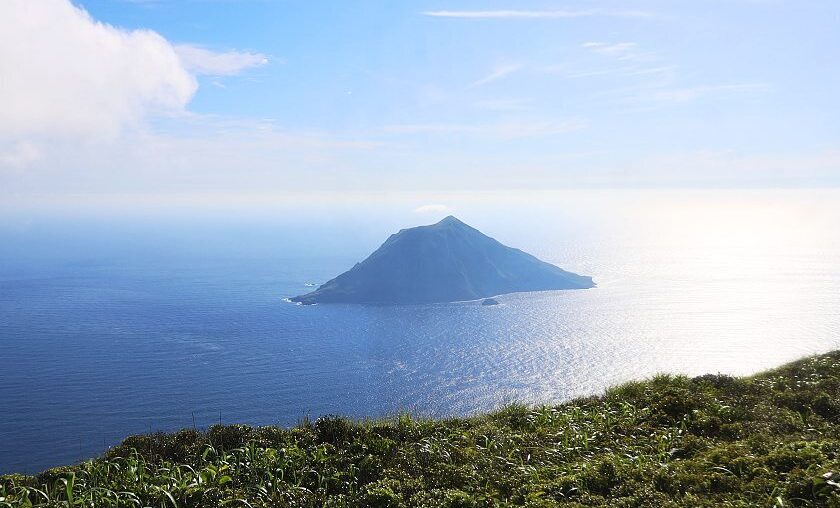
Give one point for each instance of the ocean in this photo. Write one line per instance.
(118, 325)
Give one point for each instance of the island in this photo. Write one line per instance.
(444, 262)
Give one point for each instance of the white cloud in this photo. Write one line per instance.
(203, 61)
(496, 74)
(431, 209)
(63, 73)
(524, 14)
(66, 78)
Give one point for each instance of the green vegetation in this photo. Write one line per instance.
(768, 440)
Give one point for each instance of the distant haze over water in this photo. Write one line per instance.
(111, 327)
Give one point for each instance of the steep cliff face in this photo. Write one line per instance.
(444, 262)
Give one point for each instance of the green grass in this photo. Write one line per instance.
(768, 440)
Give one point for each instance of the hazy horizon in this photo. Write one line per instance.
(145, 322)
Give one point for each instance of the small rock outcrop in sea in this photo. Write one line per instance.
(490, 301)
(444, 262)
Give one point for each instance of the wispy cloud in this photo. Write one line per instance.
(504, 104)
(653, 96)
(432, 209)
(620, 50)
(695, 92)
(717, 168)
(624, 59)
(647, 81)
(498, 73)
(229, 63)
(616, 71)
(18, 155)
(542, 14)
(143, 2)
(507, 131)
(624, 51)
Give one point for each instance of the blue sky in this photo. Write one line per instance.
(336, 97)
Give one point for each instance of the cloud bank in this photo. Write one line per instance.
(64, 73)
(67, 78)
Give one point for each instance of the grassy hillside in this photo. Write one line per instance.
(768, 440)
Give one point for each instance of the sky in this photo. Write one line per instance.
(142, 103)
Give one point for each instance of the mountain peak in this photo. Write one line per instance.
(421, 265)
(450, 221)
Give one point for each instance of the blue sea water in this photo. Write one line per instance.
(124, 326)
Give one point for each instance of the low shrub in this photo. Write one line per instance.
(769, 440)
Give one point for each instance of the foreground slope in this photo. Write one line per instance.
(710, 441)
(444, 262)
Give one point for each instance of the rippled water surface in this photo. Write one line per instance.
(110, 331)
